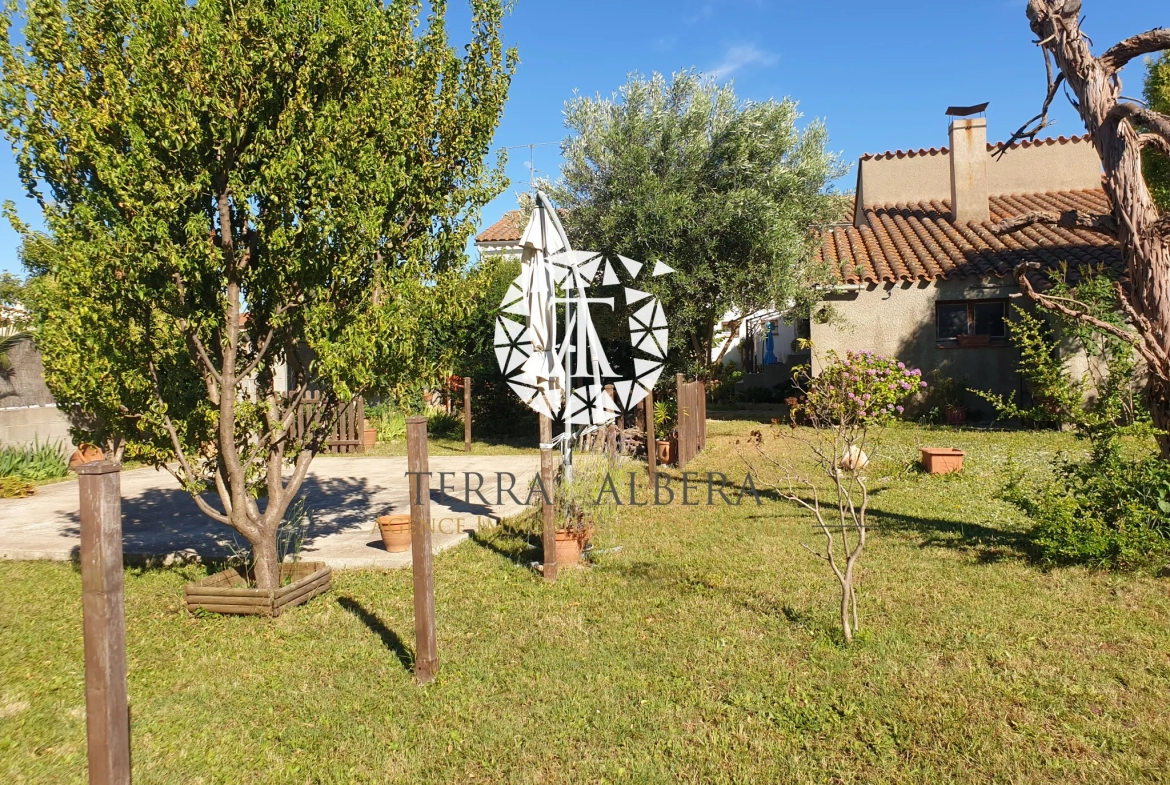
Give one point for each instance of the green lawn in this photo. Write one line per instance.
(443, 446)
(704, 650)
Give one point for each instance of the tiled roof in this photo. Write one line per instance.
(916, 242)
(990, 148)
(505, 230)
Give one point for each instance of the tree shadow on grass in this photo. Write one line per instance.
(517, 547)
(988, 544)
(388, 637)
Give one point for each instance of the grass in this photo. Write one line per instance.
(441, 446)
(704, 650)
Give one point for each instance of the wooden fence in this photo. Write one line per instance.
(692, 419)
(347, 432)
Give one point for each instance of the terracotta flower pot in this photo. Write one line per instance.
(84, 454)
(395, 532)
(956, 415)
(570, 545)
(666, 451)
(942, 460)
(973, 340)
(369, 437)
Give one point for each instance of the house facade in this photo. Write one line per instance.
(921, 274)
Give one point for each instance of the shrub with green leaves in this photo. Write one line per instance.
(1109, 511)
(861, 389)
(34, 461)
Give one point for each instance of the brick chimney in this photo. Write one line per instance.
(969, 169)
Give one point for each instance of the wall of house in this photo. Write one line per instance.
(898, 320)
(925, 176)
(28, 412)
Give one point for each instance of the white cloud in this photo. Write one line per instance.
(737, 57)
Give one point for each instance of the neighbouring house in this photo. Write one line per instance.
(921, 275)
(28, 412)
(503, 237)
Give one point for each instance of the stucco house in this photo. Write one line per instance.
(921, 274)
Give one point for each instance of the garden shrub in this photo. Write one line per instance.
(34, 461)
(1111, 509)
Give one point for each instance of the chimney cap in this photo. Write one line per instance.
(966, 111)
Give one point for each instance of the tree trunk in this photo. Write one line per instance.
(266, 561)
(846, 599)
(1110, 119)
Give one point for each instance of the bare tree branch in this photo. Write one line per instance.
(1155, 141)
(1153, 122)
(1135, 46)
(1069, 219)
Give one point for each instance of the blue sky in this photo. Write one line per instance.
(879, 74)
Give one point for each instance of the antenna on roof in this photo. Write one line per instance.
(967, 111)
(532, 170)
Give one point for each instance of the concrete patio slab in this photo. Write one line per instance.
(343, 496)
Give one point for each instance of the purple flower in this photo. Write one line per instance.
(922, 384)
(900, 409)
(862, 414)
(902, 366)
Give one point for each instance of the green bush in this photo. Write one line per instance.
(1111, 510)
(34, 462)
(389, 422)
(442, 424)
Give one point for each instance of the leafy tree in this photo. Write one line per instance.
(727, 192)
(232, 186)
(1155, 162)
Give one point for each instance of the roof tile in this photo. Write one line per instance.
(920, 242)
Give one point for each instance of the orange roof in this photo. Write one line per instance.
(506, 230)
(990, 147)
(920, 242)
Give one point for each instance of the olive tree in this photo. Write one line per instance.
(727, 192)
(231, 188)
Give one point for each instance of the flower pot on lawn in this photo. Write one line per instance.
(666, 451)
(232, 592)
(942, 460)
(369, 437)
(395, 532)
(956, 415)
(571, 544)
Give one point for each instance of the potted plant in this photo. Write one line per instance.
(949, 394)
(395, 531)
(573, 536)
(665, 420)
(973, 340)
(580, 508)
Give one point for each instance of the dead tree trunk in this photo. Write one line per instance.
(1119, 129)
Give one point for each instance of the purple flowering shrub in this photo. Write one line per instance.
(861, 389)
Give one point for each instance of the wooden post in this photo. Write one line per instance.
(467, 414)
(548, 534)
(651, 438)
(107, 707)
(426, 658)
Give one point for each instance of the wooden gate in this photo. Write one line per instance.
(347, 432)
(692, 419)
